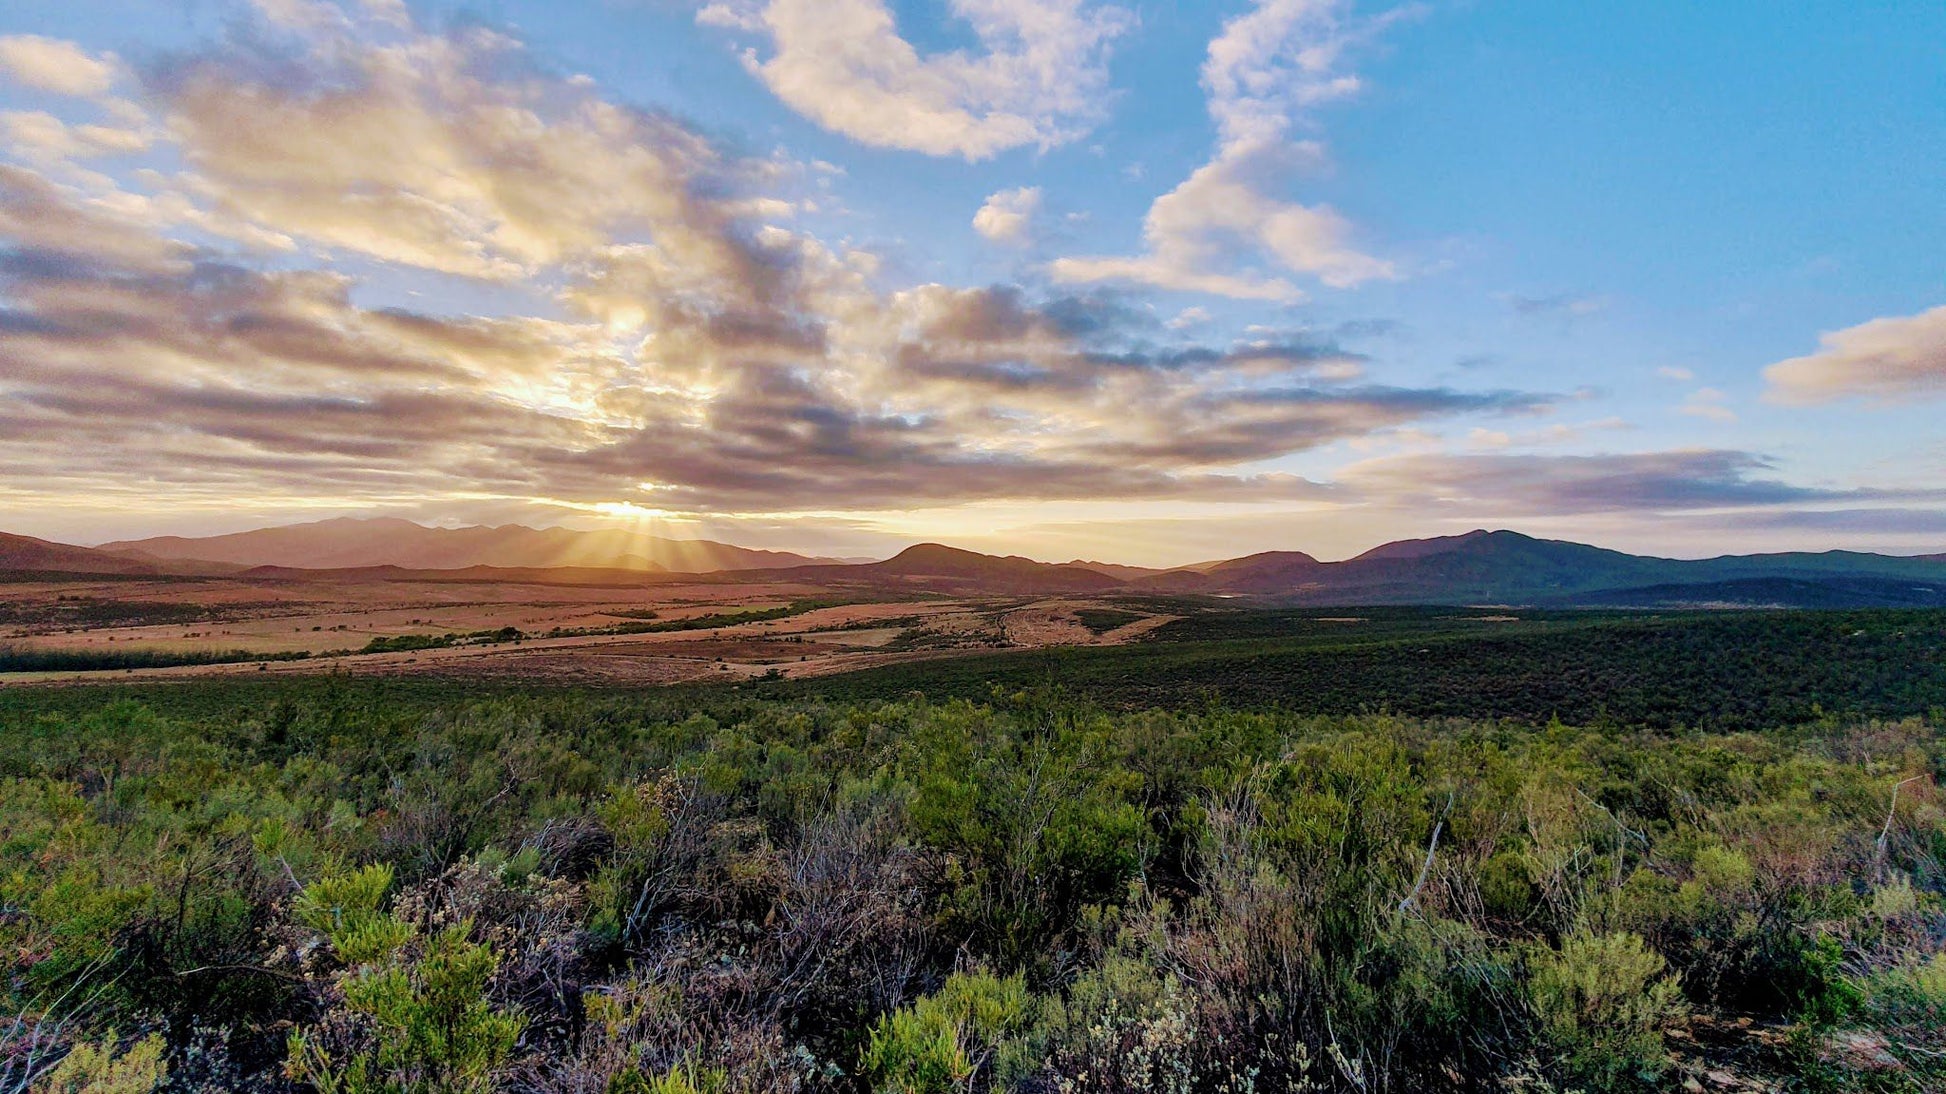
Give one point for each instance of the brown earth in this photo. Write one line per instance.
(331, 618)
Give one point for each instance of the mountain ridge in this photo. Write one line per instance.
(355, 543)
(1477, 567)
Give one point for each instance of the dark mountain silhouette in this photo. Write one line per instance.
(1502, 567)
(347, 543)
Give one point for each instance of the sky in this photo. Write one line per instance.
(1154, 281)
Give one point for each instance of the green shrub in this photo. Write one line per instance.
(1602, 1001)
(103, 1069)
(416, 1015)
(939, 1043)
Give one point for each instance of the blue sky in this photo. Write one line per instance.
(1150, 281)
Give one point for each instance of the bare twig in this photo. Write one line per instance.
(1885, 833)
(1425, 867)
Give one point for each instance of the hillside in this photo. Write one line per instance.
(1273, 572)
(25, 553)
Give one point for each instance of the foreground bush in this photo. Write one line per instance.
(325, 892)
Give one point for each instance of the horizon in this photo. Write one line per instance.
(1125, 282)
(1053, 561)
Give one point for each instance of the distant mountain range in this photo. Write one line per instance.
(347, 543)
(1503, 567)
(1479, 567)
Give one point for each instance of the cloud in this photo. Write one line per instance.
(49, 64)
(1562, 304)
(1676, 373)
(662, 335)
(447, 153)
(1008, 216)
(1861, 521)
(1884, 360)
(1041, 79)
(1189, 318)
(1226, 229)
(1539, 485)
(1708, 403)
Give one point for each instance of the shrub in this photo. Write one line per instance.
(939, 1043)
(1602, 1001)
(414, 1012)
(102, 1069)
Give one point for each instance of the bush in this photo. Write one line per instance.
(103, 1069)
(414, 1013)
(943, 1040)
(1602, 1002)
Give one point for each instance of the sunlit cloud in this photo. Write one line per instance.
(1226, 229)
(49, 64)
(1882, 360)
(1008, 215)
(1040, 78)
(680, 332)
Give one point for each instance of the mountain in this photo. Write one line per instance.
(349, 543)
(1117, 569)
(1502, 567)
(1490, 567)
(938, 568)
(25, 553)
(1267, 572)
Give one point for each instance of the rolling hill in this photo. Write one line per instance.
(27, 554)
(937, 568)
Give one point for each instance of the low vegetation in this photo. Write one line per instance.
(362, 886)
(71, 659)
(1726, 670)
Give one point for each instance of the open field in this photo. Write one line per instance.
(622, 633)
(1726, 669)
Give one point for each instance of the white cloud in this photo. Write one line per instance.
(1221, 218)
(447, 153)
(1008, 216)
(1042, 79)
(1212, 232)
(1885, 360)
(49, 64)
(1708, 403)
(1676, 373)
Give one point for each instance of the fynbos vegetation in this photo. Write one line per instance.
(352, 890)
